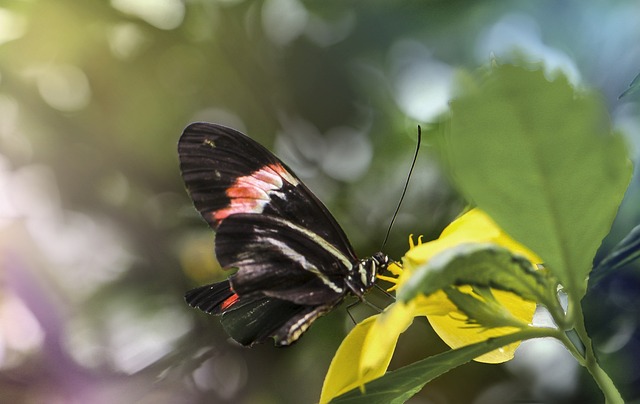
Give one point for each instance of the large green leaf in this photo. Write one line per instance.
(480, 264)
(399, 385)
(541, 160)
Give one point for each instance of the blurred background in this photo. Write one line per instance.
(99, 240)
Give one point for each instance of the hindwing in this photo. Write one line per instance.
(251, 320)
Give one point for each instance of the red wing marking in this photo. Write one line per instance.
(228, 302)
(237, 192)
(266, 176)
(250, 194)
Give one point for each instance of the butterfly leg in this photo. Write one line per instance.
(368, 303)
(385, 292)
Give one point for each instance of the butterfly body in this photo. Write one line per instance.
(294, 261)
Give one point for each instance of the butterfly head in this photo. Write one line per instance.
(363, 274)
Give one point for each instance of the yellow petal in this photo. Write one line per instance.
(473, 226)
(455, 332)
(380, 341)
(479, 227)
(366, 352)
(344, 372)
(450, 323)
(436, 304)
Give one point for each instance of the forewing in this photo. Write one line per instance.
(212, 159)
(280, 259)
(228, 173)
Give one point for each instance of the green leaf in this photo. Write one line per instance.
(399, 385)
(633, 87)
(624, 252)
(542, 162)
(480, 264)
(482, 308)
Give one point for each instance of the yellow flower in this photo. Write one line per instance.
(366, 352)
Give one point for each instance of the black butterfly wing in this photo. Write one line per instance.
(258, 320)
(228, 173)
(280, 259)
(251, 320)
(291, 255)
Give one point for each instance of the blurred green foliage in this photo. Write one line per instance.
(99, 241)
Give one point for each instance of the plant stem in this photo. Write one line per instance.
(589, 361)
(564, 338)
(602, 379)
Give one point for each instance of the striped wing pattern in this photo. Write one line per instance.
(293, 260)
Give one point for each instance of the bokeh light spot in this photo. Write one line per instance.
(348, 154)
(64, 87)
(114, 188)
(20, 332)
(547, 366)
(162, 14)
(226, 374)
(126, 40)
(516, 36)
(198, 259)
(422, 85)
(284, 20)
(326, 33)
(139, 338)
(12, 26)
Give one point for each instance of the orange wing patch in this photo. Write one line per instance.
(250, 194)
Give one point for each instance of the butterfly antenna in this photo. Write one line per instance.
(404, 190)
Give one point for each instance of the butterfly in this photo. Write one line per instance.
(294, 263)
